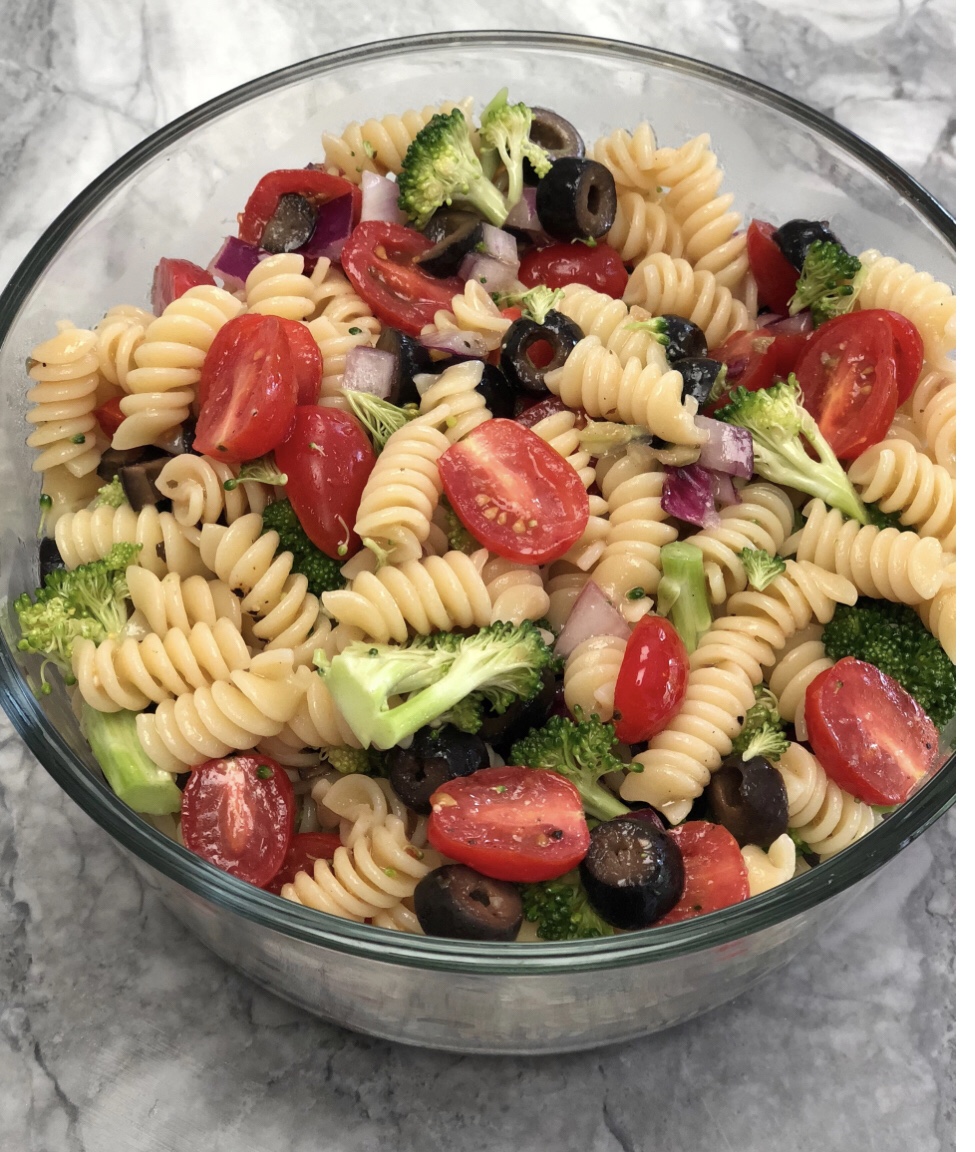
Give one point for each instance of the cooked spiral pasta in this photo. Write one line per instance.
(600, 315)
(902, 427)
(120, 332)
(822, 815)
(643, 226)
(561, 430)
(590, 676)
(403, 490)
(472, 311)
(769, 869)
(649, 394)
(932, 407)
(380, 145)
(631, 158)
(68, 493)
(89, 535)
(665, 284)
(517, 591)
(336, 299)
(883, 563)
(65, 374)
(335, 341)
(793, 674)
(927, 303)
(195, 485)
(360, 804)
(901, 479)
(763, 519)
(163, 385)
(563, 583)
(278, 286)
(939, 613)
(132, 674)
(453, 391)
(316, 721)
(170, 602)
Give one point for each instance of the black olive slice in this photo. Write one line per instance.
(113, 459)
(795, 237)
(49, 557)
(699, 375)
(633, 872)
(499, 396)
(435, 756)
(411, 358)
(447, 255)
(749, 798)
(457, 902)
(503, 729)
(684, 338)
(447, 220)
(520, 369)
(556, 136)
(292, 224)
(576, 200)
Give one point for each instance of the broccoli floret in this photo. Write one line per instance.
(459, 539)
(561, 910)
(895, 640)
(441, 166)
(828, 284)
(763, 732)
(89, 603)
(348, 760)
(263, 471)
(656, 326)
(682, 594)
(535, 303)
(132, 776)
(761, 567)
(497, 665)
(466, 715)
(111, 495)
(582, 753)
(322, 572)
(777, 421)
(505, 128)
(379, 418)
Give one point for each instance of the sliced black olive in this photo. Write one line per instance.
(576, 200)
(447, 220)
(498, 393)
(139, 483)
(556, 135)
(435, 756)
(749, 798)
(684, 338)
(458, 902)
(411, 358)
(114, 459)
(447, 255)
(557, 331)
(795, 236)
(292, 224)
(503, 729)
(49, 557)
(633, 872)
(699, 374)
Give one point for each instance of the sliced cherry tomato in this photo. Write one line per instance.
(872, 738)
(908, 352)
(757, 359)
(848, 375)
(652, 680)
(513, 313)
(304, 850)
(327, 458)
(556, 265)
(775, 277)
(174, 277)
(110, 416)
(520, 824)
(317, 186)
(378, 259)
(715, 875)
(238, 813)
(249, 389)
(514, 493)
(307, 358)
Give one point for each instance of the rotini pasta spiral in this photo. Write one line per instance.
(769, 869)
(67, 493)
(665, 284)
(65, 374)
(883, 563)
(793, 674)
(316, 721)
(360, 804)
(927, 303)
(517, 591)
(902, 427)
(472, 311)
(169, 359)
(278, 286)
(933, 412)
(822, 815)
(901, 479)
(649, 394)
(338, 301)
(195, 485)
(643, 226)
(120, 332)
(590, 676)
(600, 315)
(90, 534)
(335, 341)
(170, 602)
(631, 158)
(939, 613)
(563, 583)
(462, 409)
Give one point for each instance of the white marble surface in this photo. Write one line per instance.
(118, 1032)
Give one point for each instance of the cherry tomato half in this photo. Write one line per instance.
(652, 680)
(110, 416)
(238, 813)
(248, 390)
(317, 186)
(307, 358)
(775, 277)
(378, 259)
(174, 277)
(304, 850)
(520, 824)
(715, 875)
(327, 458)
(757, 359)
(908, 352)
(556, 265)
(848, 375)
(871, 737)
(514, 493)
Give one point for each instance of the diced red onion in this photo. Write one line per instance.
(592, 615)
(335, 223)
(469, 345)
(235, 261)
(370, 370)
(379, 197)
(801, 323)
(688, 494)
(491, 273)
(725, 492)
(728, 448)
(500, 245)
(524, 215)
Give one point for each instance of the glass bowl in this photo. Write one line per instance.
(177, 194)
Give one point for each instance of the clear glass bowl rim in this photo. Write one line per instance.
(223, 890)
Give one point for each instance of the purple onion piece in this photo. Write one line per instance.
(235, 261)
(725, 492)
(370, 370)
(524, 215)
(335, 223)
(468, 345)
(499, 245)
(801, 323)
(592, 615)
(689, 495)
(490, 273)
(379, 197)
(727, 448)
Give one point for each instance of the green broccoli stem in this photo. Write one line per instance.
(132, 776)
(837, 492)
(682, 594)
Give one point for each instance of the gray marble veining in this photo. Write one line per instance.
(120, 1032)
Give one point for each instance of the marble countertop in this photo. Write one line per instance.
(120, 1032)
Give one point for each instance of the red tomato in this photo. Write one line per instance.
(537, 412)
(513, 313)
(774, 275)
(248, 390)
(908, 352)
(652, 680)
(307, 359)
(514, 493)
(110, 416)
(327, 458)
(238, 813)
(520, 824)
(304, 850)
(556, 265)
(378, 259)
(871, 737)
(314, 185)
(848, 375)
(757, 359)
(174, 277)
(715, 875)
